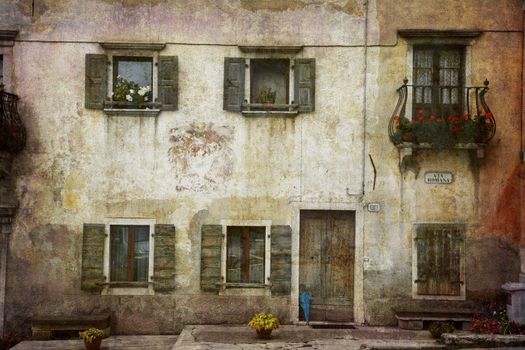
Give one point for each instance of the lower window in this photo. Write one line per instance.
(439, 251)
(129, 253)
(245, 261)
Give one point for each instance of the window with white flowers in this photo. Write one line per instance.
(131, 79)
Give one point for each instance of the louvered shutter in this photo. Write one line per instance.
(304, 84)
(168, 82)
(211, 243)
(92, 278)
(439, 259)
(281, 261)
(164, 258)
(96, 81)
(233, 83)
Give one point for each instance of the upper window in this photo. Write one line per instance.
(261, 85)
(131, 79)
(129, 253)
(439, 260)
(245, 254)
(438, 79)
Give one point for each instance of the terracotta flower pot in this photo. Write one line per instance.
(408, 136)
(94, 345)
(264, 333)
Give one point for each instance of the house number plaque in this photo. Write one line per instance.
(438, 178)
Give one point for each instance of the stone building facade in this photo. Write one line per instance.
(200, 198)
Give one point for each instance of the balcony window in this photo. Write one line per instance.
(438, 79)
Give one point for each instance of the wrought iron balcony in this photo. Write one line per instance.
(12, 131)
(442, 117)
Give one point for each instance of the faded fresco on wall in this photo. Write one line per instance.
(201, 155)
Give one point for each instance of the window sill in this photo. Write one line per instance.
(255, 289)
(121, 112)
(269, 114)
(439, 297)
(128, 288)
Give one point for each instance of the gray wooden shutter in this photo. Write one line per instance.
(164, 258)
(96, 81)
(281, 267)
(93, 257)
(423, 260)
(211, 243)
(233, 83)
(304, 84)
(168, 82)
(439, 259)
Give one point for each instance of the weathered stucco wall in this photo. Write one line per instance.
(199, 164)
(485, 194)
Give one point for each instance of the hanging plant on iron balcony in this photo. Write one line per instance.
(443, 131)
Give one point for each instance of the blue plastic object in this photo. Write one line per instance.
(305, 299)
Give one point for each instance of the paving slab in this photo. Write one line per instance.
(303, 337)
(131, 342)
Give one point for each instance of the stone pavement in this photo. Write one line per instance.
(119, 342)
(240, 337)
(301, 337)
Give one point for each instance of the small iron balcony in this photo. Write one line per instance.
(441, 117)
(12, 130)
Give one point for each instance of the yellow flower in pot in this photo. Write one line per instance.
(264, 324)
(92, 338)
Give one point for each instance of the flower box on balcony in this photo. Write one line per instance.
(427, 130)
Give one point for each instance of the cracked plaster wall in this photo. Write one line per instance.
(200, 164)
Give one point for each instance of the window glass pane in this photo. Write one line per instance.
(133, 79)
(234, 255)
(119, 253)
(269, 80)
(141, 261)
(245, 254)
(257, 255)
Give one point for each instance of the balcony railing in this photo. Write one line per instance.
(12, 131)
(474, 123)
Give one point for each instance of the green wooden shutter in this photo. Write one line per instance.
(93, 257)
(96, 81)
(439, 259)
(168, 80)
(211, 243)
(281, 263)
(304, 84)
(164, 258)
(233, 83)
(423, 261)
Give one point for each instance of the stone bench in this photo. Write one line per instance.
(416, 320)
(43, 327)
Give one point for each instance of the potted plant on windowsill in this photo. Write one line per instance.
(266, 96)
(130, 94)
(92, 338)
(264, 324)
